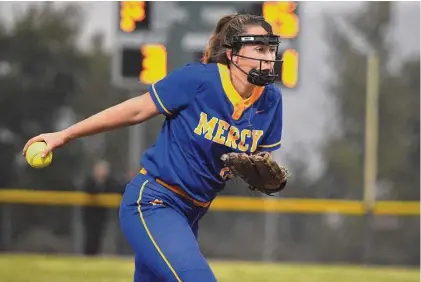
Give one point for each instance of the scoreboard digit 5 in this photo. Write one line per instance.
(134, 16)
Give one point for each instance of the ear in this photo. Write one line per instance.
(228, 52)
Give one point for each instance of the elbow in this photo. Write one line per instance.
(138, 117)
(142, 114)
(142, 108)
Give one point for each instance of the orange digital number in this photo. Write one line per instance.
(282, 17)
(130, 13)
(154, 63)
(290, 68)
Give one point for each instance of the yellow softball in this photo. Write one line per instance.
(33, 155)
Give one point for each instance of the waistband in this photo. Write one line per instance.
(178, 191)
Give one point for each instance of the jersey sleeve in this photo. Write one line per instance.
(175, 91)
(272, 139)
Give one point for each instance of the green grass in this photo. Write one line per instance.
(37, 268)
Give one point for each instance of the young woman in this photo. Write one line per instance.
(225, 104)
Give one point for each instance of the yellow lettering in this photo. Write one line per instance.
(257, 134)
(222, 127)
(233, 137)
(206, 127)
(242, 145)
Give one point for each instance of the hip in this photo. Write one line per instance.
(199, 180)
(148, 192)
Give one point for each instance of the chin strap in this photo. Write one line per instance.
(257, 77)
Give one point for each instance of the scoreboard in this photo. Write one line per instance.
(148, 63)
(134, 16)
(153, 38)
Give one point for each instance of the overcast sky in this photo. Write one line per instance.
(307, 109)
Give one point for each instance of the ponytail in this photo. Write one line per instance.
(213, 53)
(227, 26)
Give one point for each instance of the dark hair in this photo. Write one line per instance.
(228, 26)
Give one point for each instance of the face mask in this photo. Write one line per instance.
(259, 77)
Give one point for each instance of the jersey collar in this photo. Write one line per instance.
(239, 104)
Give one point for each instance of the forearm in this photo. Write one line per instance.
(130, 112)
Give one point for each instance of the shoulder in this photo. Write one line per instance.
(192, 73)
(196, 69)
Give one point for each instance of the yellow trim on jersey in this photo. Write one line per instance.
(159, 100)
(271, 145)
(149, 233)
(239, 104)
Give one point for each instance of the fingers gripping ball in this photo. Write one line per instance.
(259, 171)
(34, 158)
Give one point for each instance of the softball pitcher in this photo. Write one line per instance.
(223, 117)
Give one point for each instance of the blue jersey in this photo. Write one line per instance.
(206, 118)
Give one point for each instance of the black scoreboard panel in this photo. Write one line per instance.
(131, 63)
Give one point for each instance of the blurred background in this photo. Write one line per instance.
(351, 137)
